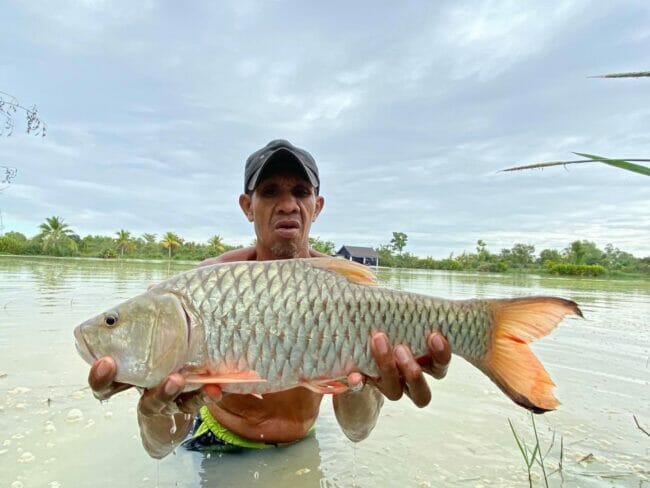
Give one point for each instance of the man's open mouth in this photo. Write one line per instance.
(287, 228)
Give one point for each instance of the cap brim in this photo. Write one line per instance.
(254, 179)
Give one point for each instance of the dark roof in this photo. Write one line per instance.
(359, 252)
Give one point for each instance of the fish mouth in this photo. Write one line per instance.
(82, 346)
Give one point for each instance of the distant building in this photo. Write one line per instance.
(363, 255)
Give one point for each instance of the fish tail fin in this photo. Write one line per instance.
(510, 362)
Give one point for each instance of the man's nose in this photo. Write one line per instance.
(288, 203)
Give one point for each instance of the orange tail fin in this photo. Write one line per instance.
(509, 362)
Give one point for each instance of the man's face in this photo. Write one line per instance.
(283, 207)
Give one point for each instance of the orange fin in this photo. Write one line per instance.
(237, 377)
(509, 362)
(354, 272)
(332, 387)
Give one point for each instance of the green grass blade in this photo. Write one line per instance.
(521, 447)
(619, 163)
(541, 459)
(531, 461)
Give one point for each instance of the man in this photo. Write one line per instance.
(282, 199)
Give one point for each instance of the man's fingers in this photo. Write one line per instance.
(389, 383)
(211, 393)
(440, 355)
(416, 386)
(162, 398)
(356, 381)
(101, 379)
(102, 374)
(192, 401)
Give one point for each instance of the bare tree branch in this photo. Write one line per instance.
(7, 175)
(9, 106)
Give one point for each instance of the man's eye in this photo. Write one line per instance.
(302, 192)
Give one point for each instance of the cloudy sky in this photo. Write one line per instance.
(410, 109)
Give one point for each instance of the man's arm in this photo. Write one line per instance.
(156, 407)
(357, 409)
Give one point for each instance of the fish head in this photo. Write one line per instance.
(147, 336)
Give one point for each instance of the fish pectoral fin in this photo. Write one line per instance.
(222, 379)
(325, 387)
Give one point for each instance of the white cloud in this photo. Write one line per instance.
(410, 112)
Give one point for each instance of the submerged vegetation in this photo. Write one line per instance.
(579, 258)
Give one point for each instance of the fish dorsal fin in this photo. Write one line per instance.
(354, 272)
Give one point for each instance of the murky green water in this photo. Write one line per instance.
(54, 433)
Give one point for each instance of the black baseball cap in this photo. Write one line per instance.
(276, 150)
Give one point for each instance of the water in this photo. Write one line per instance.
(54, 433)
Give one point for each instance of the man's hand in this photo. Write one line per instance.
(102, 379)
(400, 372)
(165, 414)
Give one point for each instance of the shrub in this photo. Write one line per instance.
(574, 269)
(11, 245)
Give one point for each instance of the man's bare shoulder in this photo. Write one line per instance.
(247, 254)
(316, 254)
(244, 254)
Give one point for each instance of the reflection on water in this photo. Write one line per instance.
(53, 433)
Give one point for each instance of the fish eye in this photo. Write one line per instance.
(110, 319)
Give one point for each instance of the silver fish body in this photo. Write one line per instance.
(301, 322)
(290, 322)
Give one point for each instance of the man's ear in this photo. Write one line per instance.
(320, 203)
(245, 204)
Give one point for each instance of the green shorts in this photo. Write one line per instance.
(208, 435)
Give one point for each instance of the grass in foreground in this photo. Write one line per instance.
(534, 455)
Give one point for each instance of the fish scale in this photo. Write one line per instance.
(257, 327)
(305, 312)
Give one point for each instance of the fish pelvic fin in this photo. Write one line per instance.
(325, 387)
(354, 272)
(510, 362)
(224, 379)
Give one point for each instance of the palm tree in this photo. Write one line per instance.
(216, 244)
(149, 238)
(169, 241)
(148, 243)
(54, 233)
(123, 241)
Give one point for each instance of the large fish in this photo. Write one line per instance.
(264, 326)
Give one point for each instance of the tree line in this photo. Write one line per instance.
(581, 257)
(56, 238)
